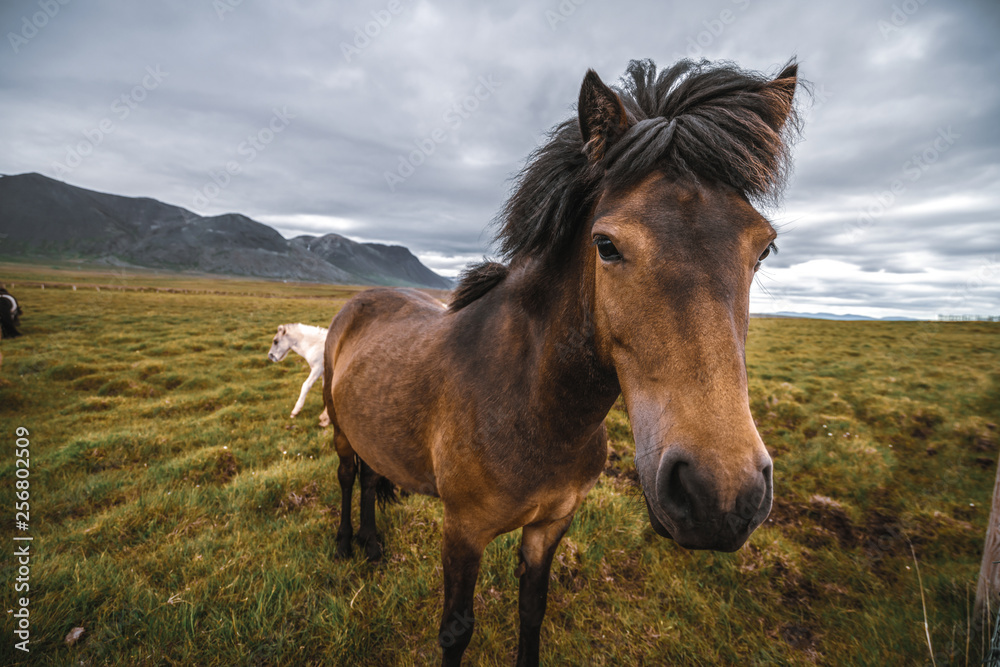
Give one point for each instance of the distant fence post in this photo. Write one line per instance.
(989, 571)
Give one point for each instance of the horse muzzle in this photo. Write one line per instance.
(686, 503)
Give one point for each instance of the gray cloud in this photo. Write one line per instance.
(886, 84)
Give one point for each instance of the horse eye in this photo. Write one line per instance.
(606, 249)
(767, 251)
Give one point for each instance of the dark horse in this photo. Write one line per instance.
(10, 314)
(631, 243)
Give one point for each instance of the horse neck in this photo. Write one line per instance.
(296, 336)
(309, 335)
(560, 301)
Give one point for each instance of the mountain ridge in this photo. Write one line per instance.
(41, 216)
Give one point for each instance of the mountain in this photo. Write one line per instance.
(44, 217)
(832, 316)
(372, 261)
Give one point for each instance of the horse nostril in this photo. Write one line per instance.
(767, 473)
(677, 494)
(678, 489)
(764, 506)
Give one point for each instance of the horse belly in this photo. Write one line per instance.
(383, 399)
(402, 461)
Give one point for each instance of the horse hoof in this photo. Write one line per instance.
(344, 550)
(373, 550)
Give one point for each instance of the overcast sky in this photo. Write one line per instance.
(403, 121)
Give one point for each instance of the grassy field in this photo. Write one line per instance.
(181, 518)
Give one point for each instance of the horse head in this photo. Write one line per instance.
(675, 245)
(280, 344)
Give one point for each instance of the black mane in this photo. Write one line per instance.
(710, 121)
(476, 281)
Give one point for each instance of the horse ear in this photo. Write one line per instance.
(603, 118)
(782, 90)
(281, 329)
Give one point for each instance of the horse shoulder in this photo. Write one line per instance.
(391, 334)
(384, 307)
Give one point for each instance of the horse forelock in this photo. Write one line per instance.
(706, 121)
(697, 120)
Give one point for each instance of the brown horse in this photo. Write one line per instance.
(631, 243)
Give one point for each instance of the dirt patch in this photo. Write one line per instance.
(226, 467)
(985, 441)
(883, 538)
(923, 422)
(801, 638)
(824, 522)
(832, 520)
(567, 565)
(799, 592)
(295, 500)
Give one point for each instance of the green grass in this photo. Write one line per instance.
(181, 518)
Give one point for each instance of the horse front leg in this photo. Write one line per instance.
(314, 374)
(538, 546)
(461, 553)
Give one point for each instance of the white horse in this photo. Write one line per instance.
(309, 342)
